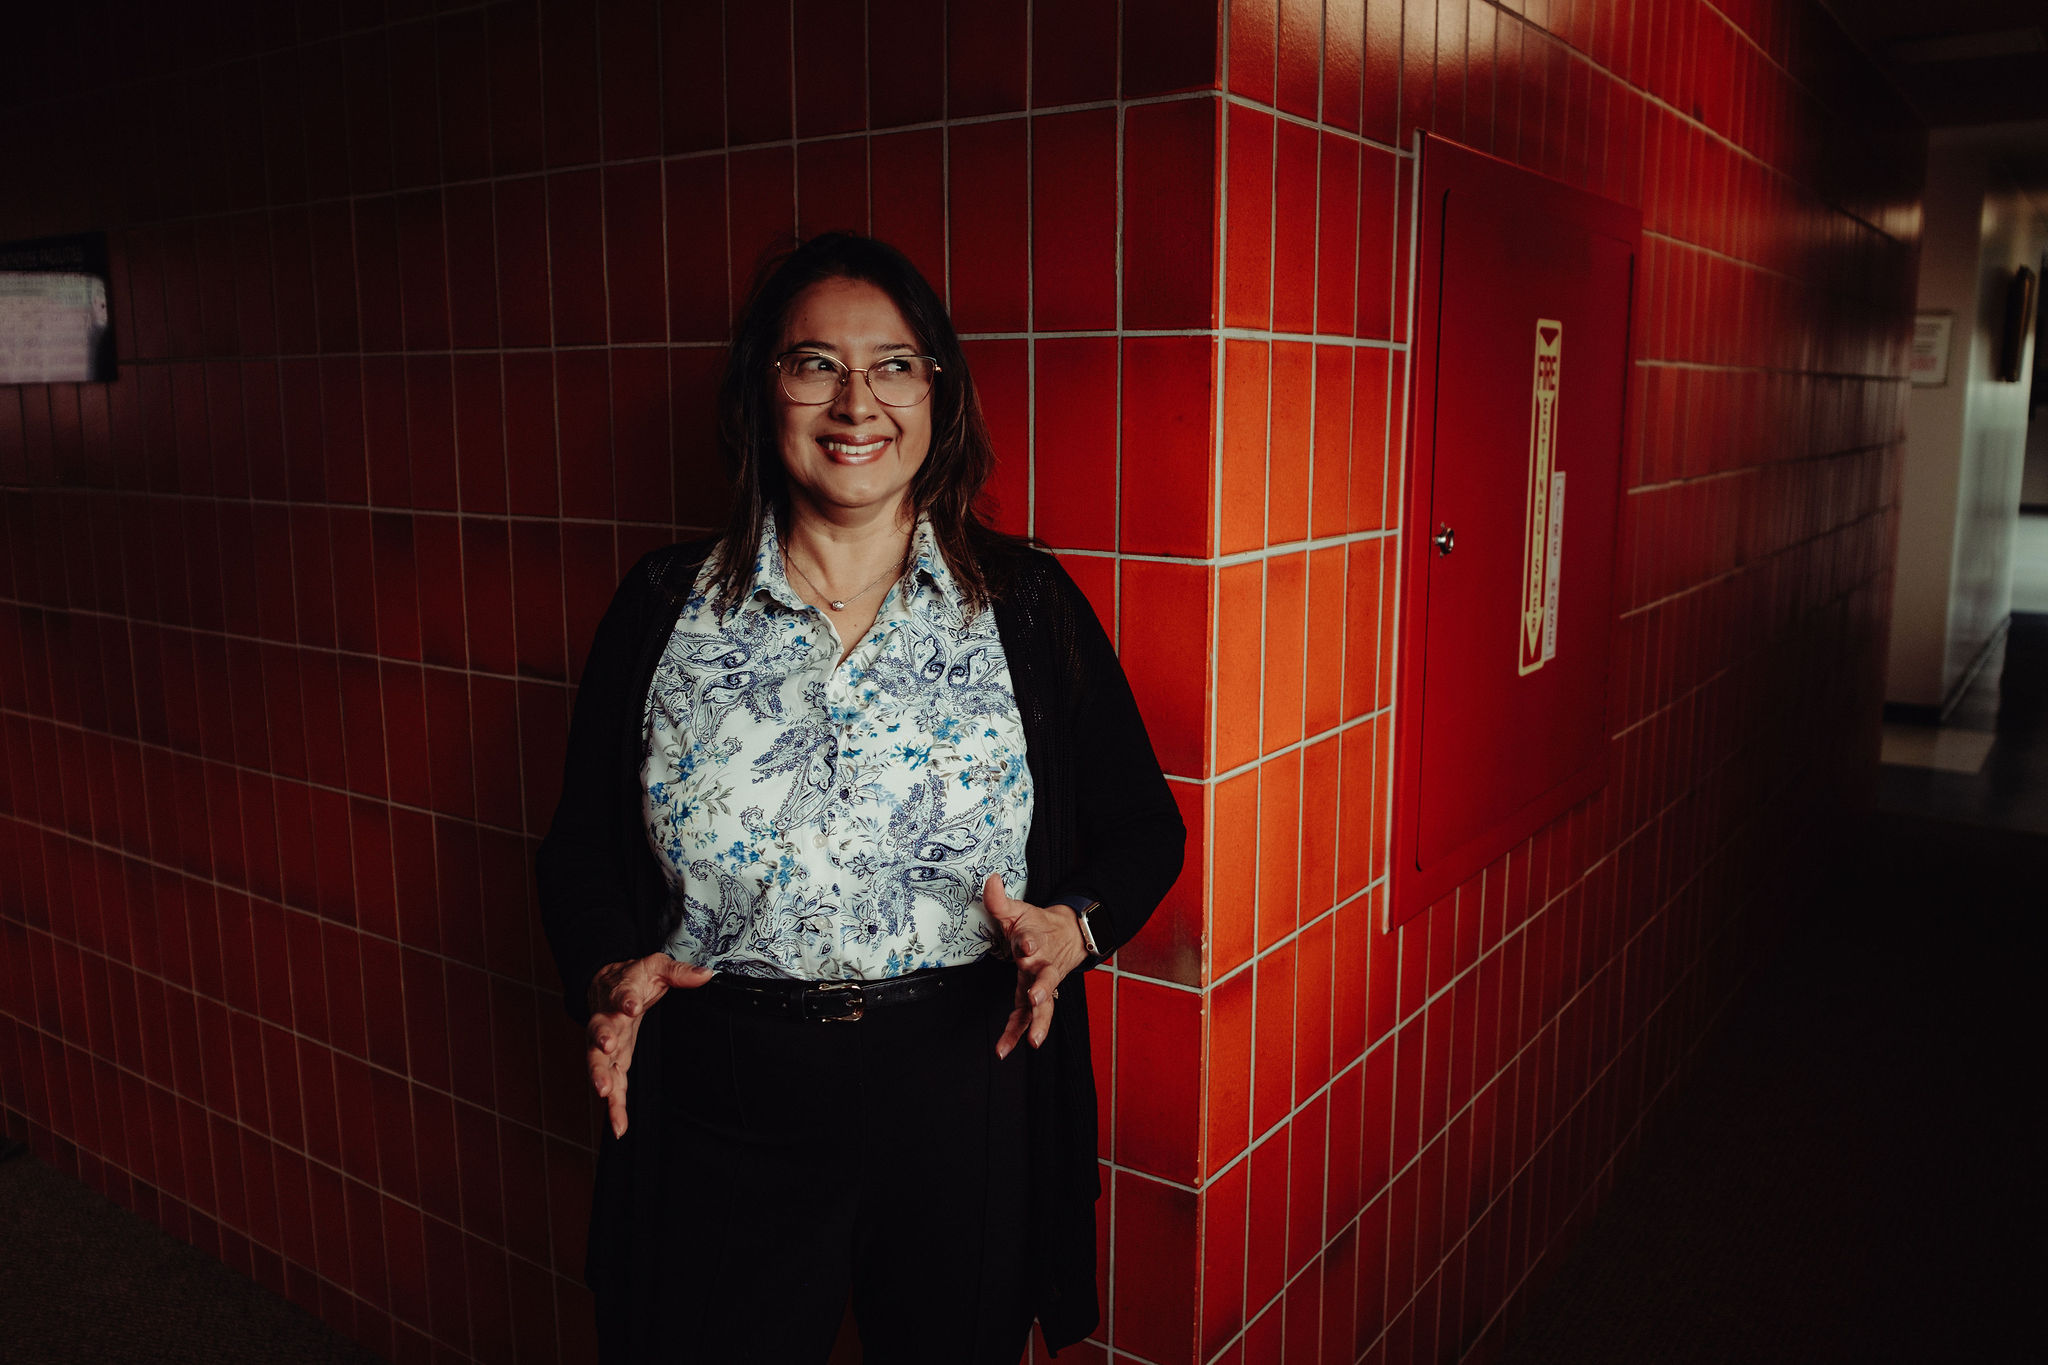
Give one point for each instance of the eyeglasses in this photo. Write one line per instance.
(901, 381)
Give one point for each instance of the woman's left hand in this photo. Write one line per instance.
(1045, 943)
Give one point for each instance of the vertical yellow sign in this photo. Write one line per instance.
(1542, 544)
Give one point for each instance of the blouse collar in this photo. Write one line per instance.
(927, 562)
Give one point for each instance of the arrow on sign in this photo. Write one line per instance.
(1542, 454)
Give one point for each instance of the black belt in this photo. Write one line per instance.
(822, 1002)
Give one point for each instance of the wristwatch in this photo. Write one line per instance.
(1081, 913)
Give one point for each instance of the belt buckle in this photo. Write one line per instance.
(851, 1008)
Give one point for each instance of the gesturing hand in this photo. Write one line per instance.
(620, 996)
(1045, 943)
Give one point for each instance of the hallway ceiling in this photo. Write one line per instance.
(1957, 62)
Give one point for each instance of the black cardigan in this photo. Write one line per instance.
(1103, 824)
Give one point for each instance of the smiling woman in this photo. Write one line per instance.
(809, 765)
(848, 456)
(871, 297)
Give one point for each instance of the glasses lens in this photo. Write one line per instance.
(902, 381)
(809, 377)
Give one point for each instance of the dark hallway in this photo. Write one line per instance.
(1852, 1170)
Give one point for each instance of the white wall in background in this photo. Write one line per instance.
(1965, 441)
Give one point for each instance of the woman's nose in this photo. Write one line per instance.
(855, 399)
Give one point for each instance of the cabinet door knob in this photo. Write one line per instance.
(1445, 538)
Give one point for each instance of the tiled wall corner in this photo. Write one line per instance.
(1402, 1130)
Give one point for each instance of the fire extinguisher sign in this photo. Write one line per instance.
(1543, 536)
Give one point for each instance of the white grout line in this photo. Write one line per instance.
(1315, 426)
(1265, 534)
(1238, 557)
(1279, 115)
(1219, 407)
(1116, 534)
(1030, 452)
(1048, 334)
(1302, 1180)
(1393, 498)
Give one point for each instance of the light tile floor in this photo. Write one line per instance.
(2030, 563)
(1945, 750)
(1989, 765)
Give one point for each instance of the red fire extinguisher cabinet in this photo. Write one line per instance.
(1518, 413)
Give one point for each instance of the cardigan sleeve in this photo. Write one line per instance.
(1130, 833)
(585, 887)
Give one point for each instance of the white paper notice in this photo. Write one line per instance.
(1928, 362)
(50, 326)
(1553, 564)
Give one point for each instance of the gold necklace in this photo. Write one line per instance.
(839, 604)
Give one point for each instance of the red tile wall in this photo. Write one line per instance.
(1401, 1132)
(420, 314)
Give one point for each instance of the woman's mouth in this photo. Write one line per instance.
(853, 450)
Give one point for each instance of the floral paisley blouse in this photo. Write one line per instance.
(825, 820)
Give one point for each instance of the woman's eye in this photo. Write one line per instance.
(896, 366)
(815, 364)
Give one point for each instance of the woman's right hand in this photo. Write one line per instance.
(620, 996)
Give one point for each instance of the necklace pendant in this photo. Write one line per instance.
(839, 606)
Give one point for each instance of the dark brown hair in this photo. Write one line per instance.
(954, 469)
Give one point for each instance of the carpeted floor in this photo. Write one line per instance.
(85, 1282)
(1854, 1172)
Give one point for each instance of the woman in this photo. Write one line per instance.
(849, 793)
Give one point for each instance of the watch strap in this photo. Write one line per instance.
(1083, 907)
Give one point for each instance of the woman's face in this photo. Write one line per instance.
(851, 453)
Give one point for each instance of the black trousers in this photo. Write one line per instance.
(882, 1159)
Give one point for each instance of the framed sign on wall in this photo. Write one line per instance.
(1932, 334)
(2019, 322)
(56, 319)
